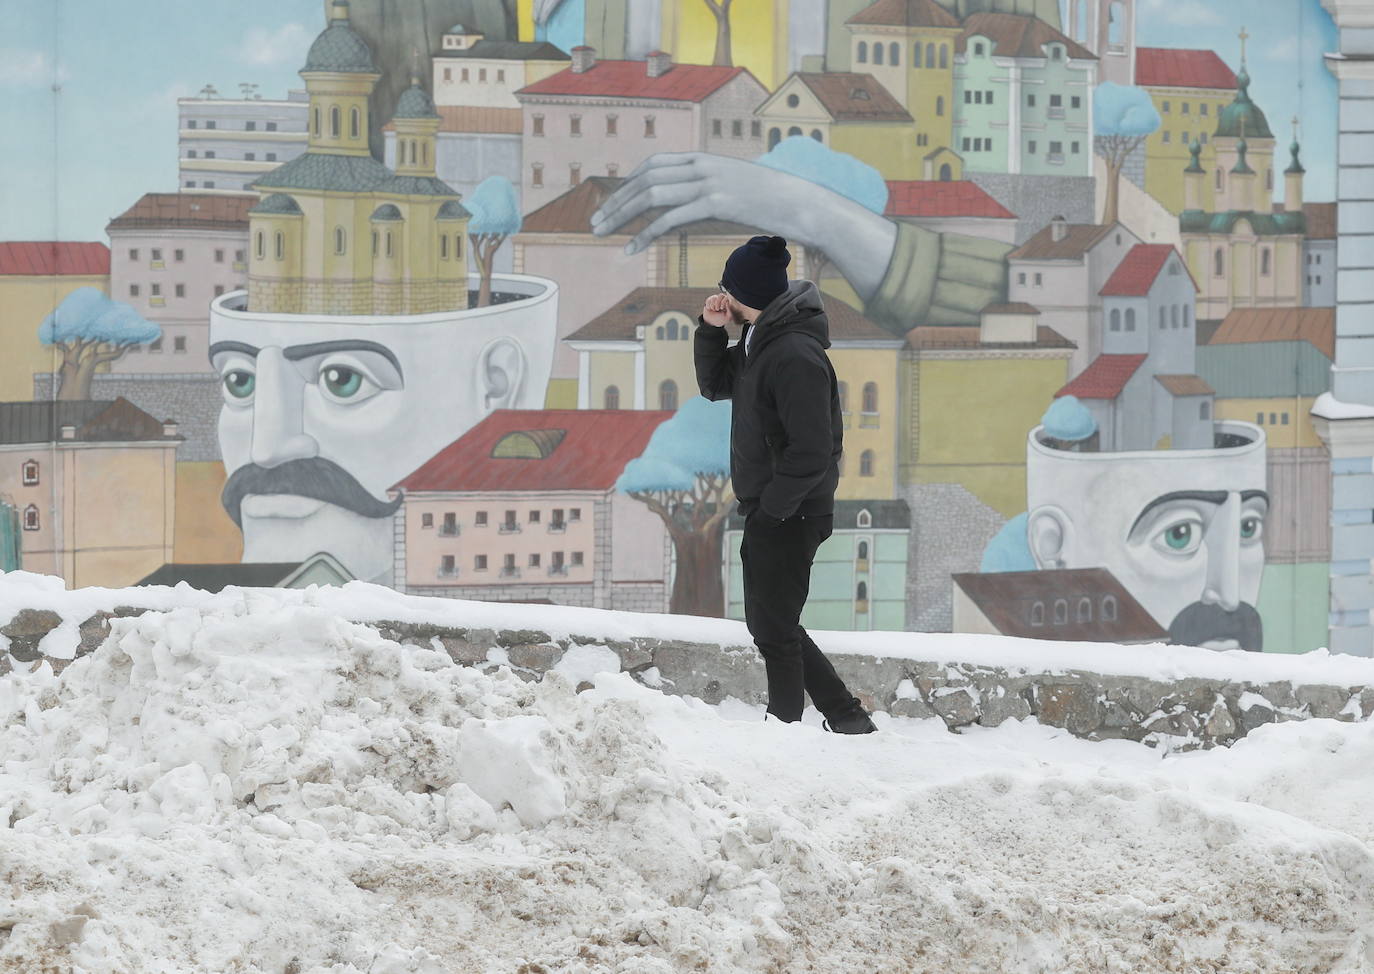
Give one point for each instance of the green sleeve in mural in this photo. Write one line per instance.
(938, 279)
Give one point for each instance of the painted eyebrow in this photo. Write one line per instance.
(297, 352)
(1213, 497)
(219, 347)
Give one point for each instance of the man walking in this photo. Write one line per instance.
(786, 434)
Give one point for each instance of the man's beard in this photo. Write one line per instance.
(1202, 622)
(737, 316)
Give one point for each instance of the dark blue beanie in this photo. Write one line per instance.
(756, 271)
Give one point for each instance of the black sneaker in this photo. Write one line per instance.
(852, 720)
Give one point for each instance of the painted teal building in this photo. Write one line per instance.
(1022, 98)
(858, 579)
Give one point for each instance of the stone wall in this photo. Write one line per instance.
(1036, 200)
(1179, 714)
(192, 399)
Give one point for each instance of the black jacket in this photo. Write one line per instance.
(786, 432)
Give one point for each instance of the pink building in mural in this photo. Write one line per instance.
(603, 118)
(171, 254)
(523, 507)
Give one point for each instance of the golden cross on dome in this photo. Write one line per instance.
(1243, 38)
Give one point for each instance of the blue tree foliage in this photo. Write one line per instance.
(88, 315)
(1068, 419)
(840, 172)
(1009, 549)
(1123, 110)
(695, 441)
(493, 207)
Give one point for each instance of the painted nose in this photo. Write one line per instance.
(279, 413)
(1223, 556)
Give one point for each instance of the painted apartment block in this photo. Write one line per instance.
(603, 118)
(34, 278)
(594, 273)
(171, 254)
(1319, 255)
(1189, 89)
(1143, 389)
(473, 72)
(95, 487)
(858, 577)
(1061, 271)
(1022, 98)
(223, 144)
(523, 506)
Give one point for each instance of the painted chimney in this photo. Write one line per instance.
(169, 428)
(1059, 229)
(583, 57)
(658, 63)
(68, 432)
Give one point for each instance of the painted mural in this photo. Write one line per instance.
(405, 291)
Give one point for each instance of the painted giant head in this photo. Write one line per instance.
(1182, 530)
(324, 413)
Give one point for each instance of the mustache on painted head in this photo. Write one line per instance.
(1202, 622)
(314, 477)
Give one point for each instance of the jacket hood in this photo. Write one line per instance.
(798, 309)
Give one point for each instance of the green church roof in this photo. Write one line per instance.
(453, 210)
(387, 211)
(415, 103)
(339, 48)
(276, 203)
(1264, 224)
(348, 174)
(1243, 118)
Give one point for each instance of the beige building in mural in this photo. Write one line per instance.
(1189, 89)
(95, 487)
(171, 254)
(34, 278)
(603, 118)
(523, 508)
(337, 232)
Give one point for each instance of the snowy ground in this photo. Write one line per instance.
(251, 784)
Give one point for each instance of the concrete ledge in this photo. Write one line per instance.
(1178, 714)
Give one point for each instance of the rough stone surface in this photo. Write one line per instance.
(1186, 713)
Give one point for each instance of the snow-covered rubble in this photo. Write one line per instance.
(247, 785)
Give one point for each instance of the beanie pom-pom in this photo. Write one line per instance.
(775, 246)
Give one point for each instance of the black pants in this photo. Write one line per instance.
(776, 561)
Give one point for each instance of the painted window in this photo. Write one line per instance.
(863, 52)
(1116, 319)
(1061, 612)
(610, 398)
(863, 550)
(870, 397)
(259, 247)
(340, 241)
(335, 121)
(537, 174)
(279, 242)
(865, 519)
(611, 122)
(866, 463)
(940, 105)
(426, 520)
(877, 52)
(31, 518)
(894, 56)
(1219, 262)
(443, 246)
(355, 119)
(1037, 614)
(30, 473)
(1085, 610)
(667, 394)
(479, 563)
(1163, 318)
(844, 395)
(944, 56)
(1109, 608)
(1130, 319)
(537, 122)
(375, 242)
(1264, 261)
(1204, 410)
(1173, 316)
(649, 126)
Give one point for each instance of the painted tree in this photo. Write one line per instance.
(720, 9)
(90, 330)
(495, 216)
(683, 476)
(1123, 118)
(800, 155)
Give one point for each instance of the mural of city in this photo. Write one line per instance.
(408, 296)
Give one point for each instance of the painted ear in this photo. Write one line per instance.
(1050, 534)
(501, 373)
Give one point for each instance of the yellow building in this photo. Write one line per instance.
(337, 232)
(972, 394)
(908, 45)
(1189, 89)
(95, 487)
(34, 278)
(851, 113)
(639, 355)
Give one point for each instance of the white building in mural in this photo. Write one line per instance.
(223, 144)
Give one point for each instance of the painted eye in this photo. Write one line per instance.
(1181, 537)
(1251, 528)
(239, 383)
(346, 384)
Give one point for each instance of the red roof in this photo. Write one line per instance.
(931, 197)
(1136, 273)
(594, 447)
(1104, 378)
(46, 258)
(630, 79)
(1170, 67)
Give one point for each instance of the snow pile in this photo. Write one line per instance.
(244, 785)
